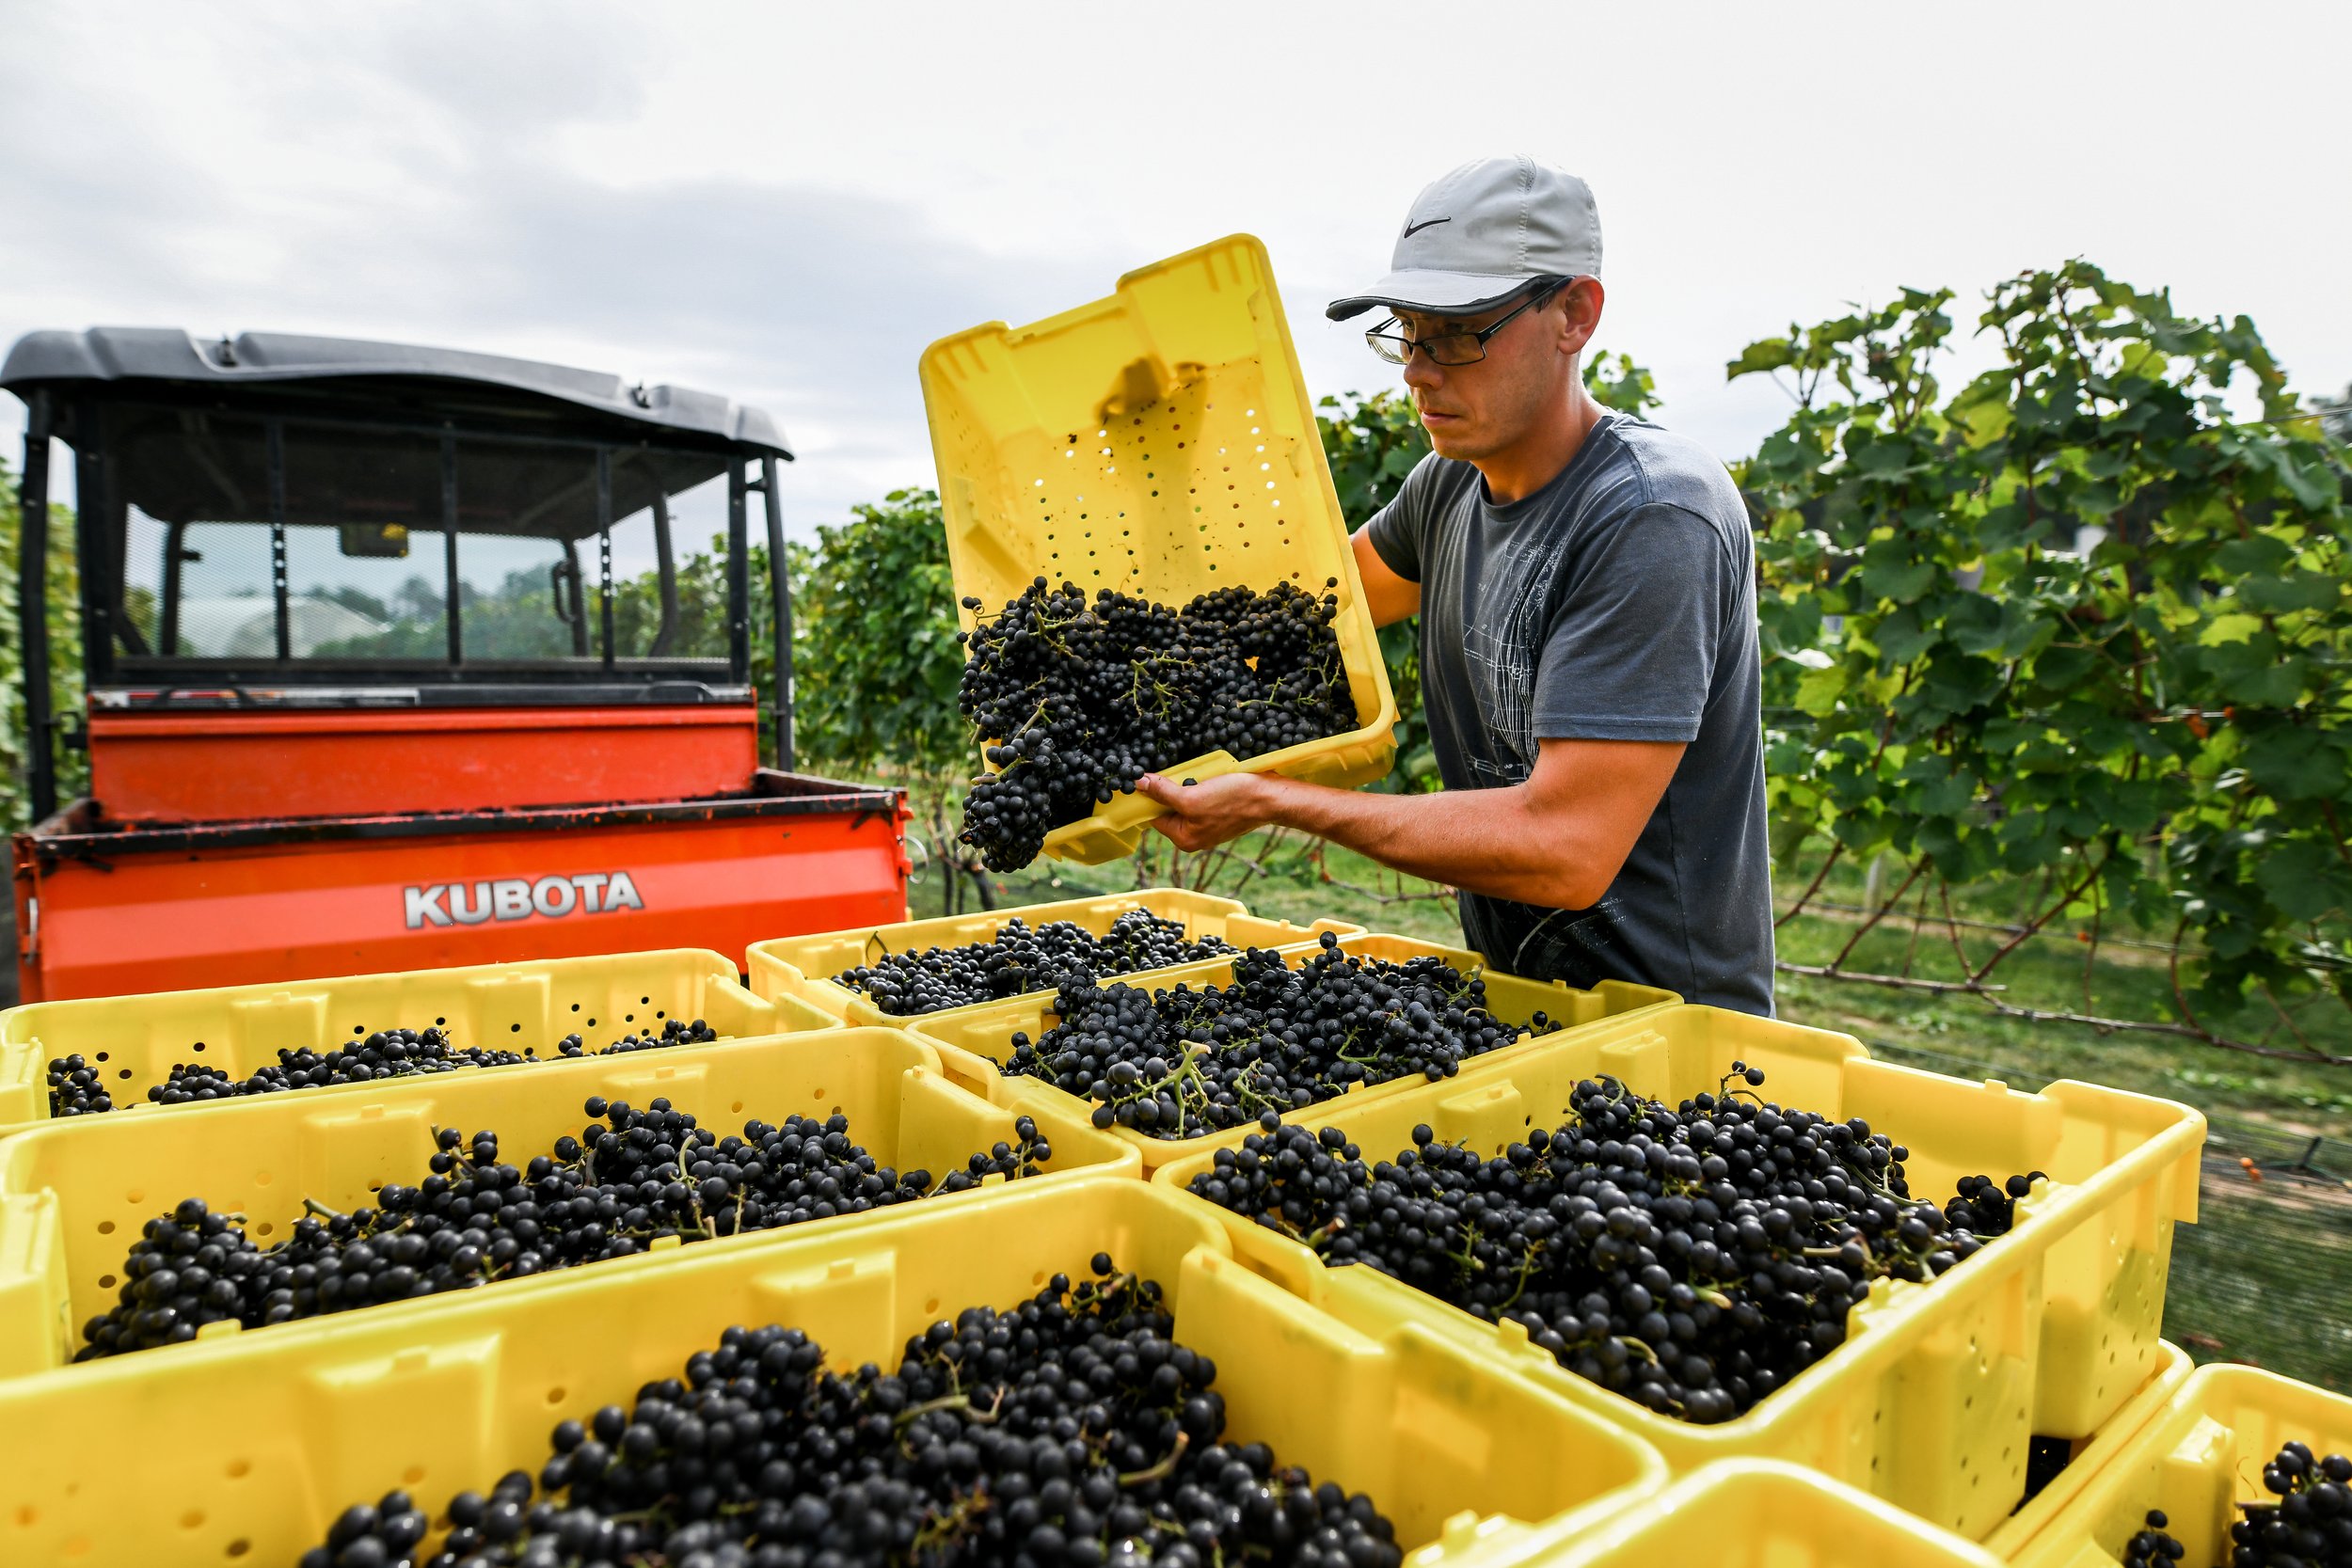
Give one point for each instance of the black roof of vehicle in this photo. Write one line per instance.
(169, 355)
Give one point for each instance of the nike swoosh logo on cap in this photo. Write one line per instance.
(1413, 229)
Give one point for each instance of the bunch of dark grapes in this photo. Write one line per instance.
(2152, 1545)
(631, 1178)
(1983, 1207)
(2309, 1526)
(1019, 960)
(1071, 1432)
(1178, 1063)
(1080, 699)
(76, 1088)
(2310, 1523)
(1693, 1257)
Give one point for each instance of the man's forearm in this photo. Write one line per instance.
(1557, 840)
(1489, 841)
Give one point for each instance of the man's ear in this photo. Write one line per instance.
(1580, 305)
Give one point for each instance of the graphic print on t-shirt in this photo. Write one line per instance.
(1501, 653)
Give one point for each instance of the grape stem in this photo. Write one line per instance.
(1165, 1468)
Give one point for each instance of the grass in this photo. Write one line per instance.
(2264, 1277)
(2060, 970)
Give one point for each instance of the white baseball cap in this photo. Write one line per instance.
(1477, 236)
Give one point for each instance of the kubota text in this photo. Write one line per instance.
(515, 898)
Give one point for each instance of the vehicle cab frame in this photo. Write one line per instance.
(270, 448)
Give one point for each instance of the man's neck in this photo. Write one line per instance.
(1526, 466)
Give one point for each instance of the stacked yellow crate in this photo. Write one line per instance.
(134, 1041)
(2193, 1446)
(74, 1195)
(974, 1043)
(804, 968)
(248, 1448)
(1931, 1401)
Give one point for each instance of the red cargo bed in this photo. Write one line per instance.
(105, 911)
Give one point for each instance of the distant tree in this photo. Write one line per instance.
(2073, 625)
(876, 656)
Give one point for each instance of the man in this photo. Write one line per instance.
(1586, 589)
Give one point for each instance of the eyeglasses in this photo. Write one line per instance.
(1452, 348)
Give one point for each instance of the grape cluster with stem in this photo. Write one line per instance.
(77, 1087)
(1180, 1062)
(2308, 1526)
(1693, 1258)
(1073, 1430)
(633, 1177)
(1021, 959)
(1077, 699)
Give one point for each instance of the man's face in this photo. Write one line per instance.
(1474, 411)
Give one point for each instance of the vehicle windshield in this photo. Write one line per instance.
(307, 550)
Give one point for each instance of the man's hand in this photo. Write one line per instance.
(1205, 814)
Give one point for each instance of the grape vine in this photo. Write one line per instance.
(2080, 623)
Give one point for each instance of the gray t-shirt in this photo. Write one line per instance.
(1616, 603)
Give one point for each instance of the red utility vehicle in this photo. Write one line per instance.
(389, 667)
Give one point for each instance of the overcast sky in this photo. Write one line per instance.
(786, 204)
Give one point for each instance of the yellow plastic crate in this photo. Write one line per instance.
(1161, 443)
(2200, 1452)
(2092, 1455)
(74, 1195)
(973, 1041)
(136, 1040)
(247, 1448)
(1742, 1513)
(803, 967)
(1931, 1401)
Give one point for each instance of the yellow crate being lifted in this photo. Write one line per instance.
(1159, 443)
(803, 967)
(1931, 1401)
(246, 1449)
(134, 1041)
(74, 1195)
